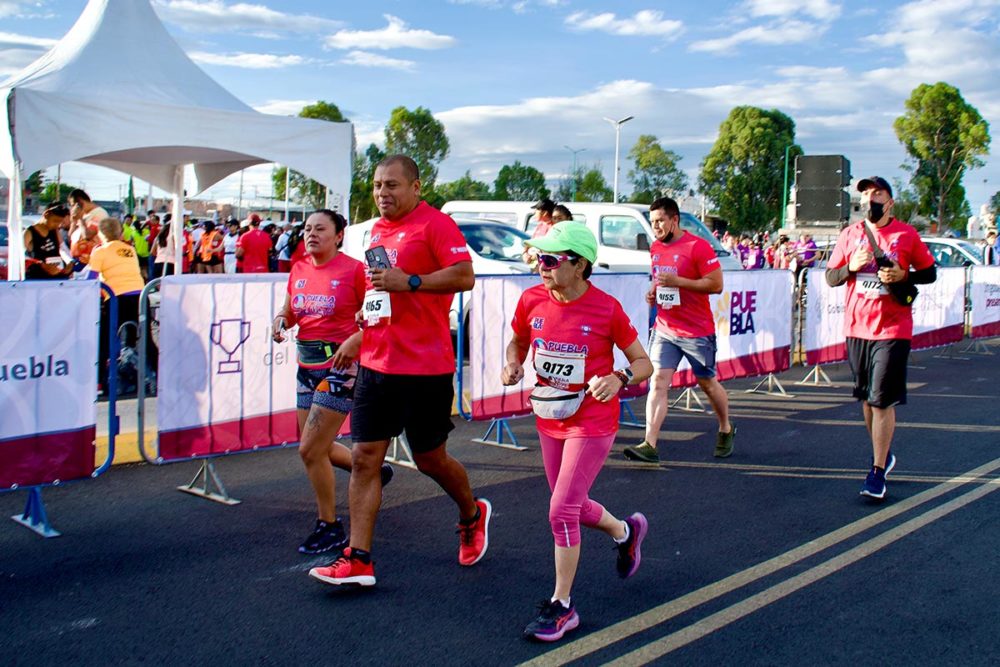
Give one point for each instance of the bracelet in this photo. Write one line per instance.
(623, 377)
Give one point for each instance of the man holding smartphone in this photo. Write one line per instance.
(873, 257)
(418, 260)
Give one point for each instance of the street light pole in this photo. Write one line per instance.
(784, 191)
(618, 134)
(574, 151)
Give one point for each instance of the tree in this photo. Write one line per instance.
(305, 190)
(464, 188)
(569, 187)
(593, 187)
(906, 202)
(519, 182)
(995, 203)
(420, 136)
(945, 136)
(656, 173)
(50, 196)
(743, 173)
(362, 206)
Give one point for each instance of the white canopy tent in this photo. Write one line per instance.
(117, 91)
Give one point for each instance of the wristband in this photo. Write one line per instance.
(624, 376)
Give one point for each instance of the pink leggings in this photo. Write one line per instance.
(571, 466)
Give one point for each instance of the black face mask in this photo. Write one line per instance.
(873, 211)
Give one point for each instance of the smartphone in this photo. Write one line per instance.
(377, 258)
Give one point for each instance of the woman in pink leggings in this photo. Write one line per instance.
(571, 328)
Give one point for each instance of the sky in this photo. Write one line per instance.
(533, 80)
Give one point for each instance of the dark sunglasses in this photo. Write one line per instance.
(553, 262)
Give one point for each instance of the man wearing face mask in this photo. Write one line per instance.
(685, 271)
(878, 326)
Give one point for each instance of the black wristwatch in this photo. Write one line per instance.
(414, 282)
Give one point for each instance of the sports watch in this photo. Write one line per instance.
(414, 282)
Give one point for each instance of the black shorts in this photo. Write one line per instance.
(879, 368)
(386, 405)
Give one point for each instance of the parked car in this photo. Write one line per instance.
(622, 230)
(953, 252)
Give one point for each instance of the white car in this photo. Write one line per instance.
(953, 252)
(495, 249)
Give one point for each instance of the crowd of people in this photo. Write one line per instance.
(373, 342)
(759, 251)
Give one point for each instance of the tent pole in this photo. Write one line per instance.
(59, 182)
(288, 182)
(239, 208)
(177, 218)
(15, 229)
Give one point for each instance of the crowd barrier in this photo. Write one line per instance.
(48, 388)
(984, 302)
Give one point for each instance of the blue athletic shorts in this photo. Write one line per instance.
(666, 351)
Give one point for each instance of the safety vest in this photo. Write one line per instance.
(211, 244)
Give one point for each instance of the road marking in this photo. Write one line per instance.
(754, 603)
(601, 639)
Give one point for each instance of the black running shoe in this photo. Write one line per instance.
(386, 474)
(325, 537)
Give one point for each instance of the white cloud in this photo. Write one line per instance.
(248, 60)
(647, 23)
(13, 40)
(19, 51)
(366, 59)
(240, 17)
(790, 31)
(22, 9)
(818, 9)
(394, 36)
(283, 107)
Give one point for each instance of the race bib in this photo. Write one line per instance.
(560, 368)
(377, 307)
(869, 286)
(668, 297)
(54, 261)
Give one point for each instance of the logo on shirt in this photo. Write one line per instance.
(300, 283)
(399, 236)
(458, 249)
(556, 346)
(334, 284)
(585, 330)
(537, 323)
(375, 239)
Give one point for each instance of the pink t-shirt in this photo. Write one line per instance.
(688, 257)
(256, 245)
(416, 338)
(871, 312)
(589, 327)
(326, 298)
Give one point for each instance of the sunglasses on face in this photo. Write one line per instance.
(552, 262)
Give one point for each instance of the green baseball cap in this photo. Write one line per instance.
(568, 235)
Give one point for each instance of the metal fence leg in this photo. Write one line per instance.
(626, 416)
(34, 516)
(977, 346)
(498, 427)
(687, 395)
(399, 452)
(816, 377)
(772, 382)
(208, 478)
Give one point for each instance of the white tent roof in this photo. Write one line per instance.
(118, 91)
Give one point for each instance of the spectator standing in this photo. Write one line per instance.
(254, 248)
(164, 264)
(282, 250)
(229, 245)
(84, 212)
(991, 256)
(210, 250)
(42, 246)
(545, 208)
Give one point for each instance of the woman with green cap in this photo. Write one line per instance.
(571, 329)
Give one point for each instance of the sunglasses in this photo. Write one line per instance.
(552, 262)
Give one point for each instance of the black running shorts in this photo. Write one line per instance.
(879, 368)
(387, 405)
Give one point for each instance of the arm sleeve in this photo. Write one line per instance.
(447, 243)
(837, 277)
(622, 331)
(923, 276)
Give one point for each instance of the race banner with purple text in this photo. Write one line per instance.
(985, 296)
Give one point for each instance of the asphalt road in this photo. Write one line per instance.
(767, 558)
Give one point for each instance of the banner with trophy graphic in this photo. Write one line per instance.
(224, 385)
(48, 380)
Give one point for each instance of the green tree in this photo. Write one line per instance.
(49, 195)
(465, 187)
(362, 206)
(945, 136)
(593, 187)
(305, 190)
(656, 173)
(569, 187)
(906, 201)
(995, 203)
(519, 182)
(420, 136)
(743, 173)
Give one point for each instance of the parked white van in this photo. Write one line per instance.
(622, 230)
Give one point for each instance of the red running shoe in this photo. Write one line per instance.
(474, 538)
(348, 569)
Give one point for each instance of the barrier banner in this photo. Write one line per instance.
(939, 311)
(753, 326)
(938, 315)
(823, 336)
(985, 296)
(492, 305)
(48, 381)
(224, 385)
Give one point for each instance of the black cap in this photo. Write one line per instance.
(874, 182)
(546, 205)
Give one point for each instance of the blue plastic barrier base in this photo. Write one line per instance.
(498, 427)
(626, 417)
(34, 517)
